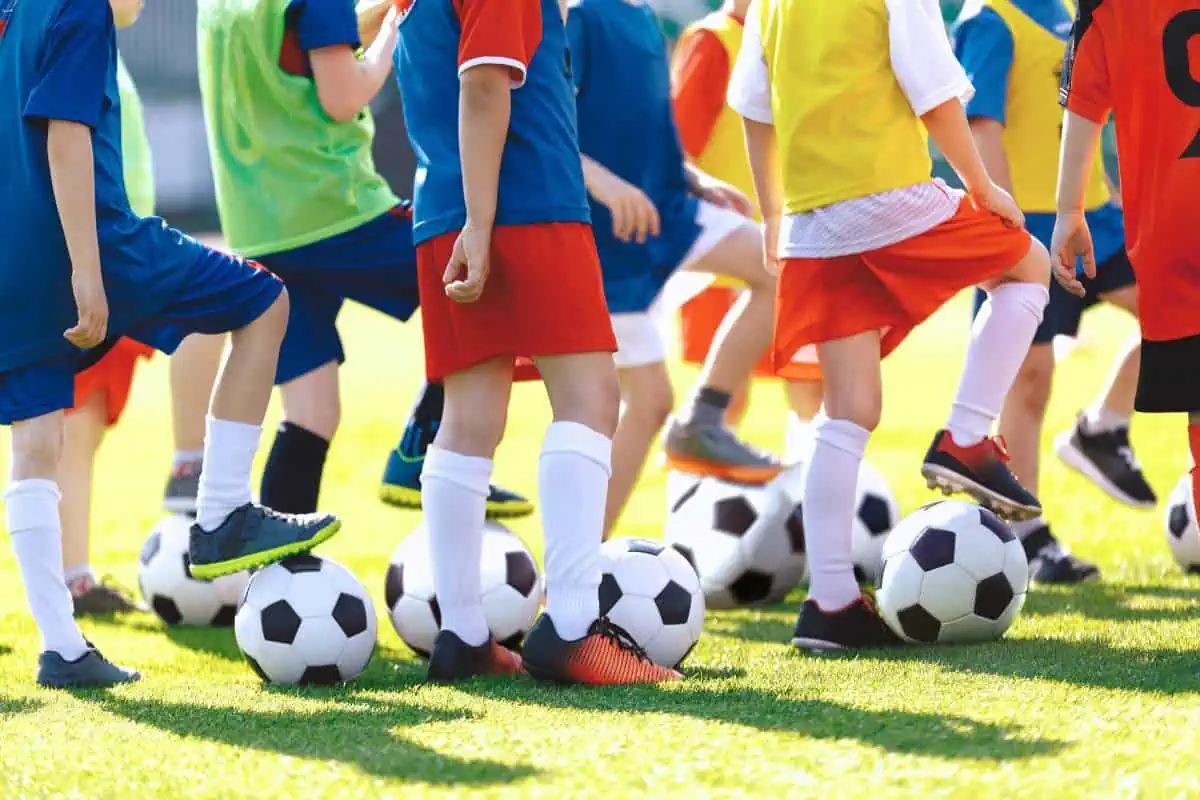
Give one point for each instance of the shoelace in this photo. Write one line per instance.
(1120, 440)
(621, 638)
(1000, 447)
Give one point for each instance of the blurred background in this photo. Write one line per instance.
(161, 54)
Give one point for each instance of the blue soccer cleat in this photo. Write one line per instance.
(255, 536)
(91, 670)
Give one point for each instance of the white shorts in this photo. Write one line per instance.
(640, 336)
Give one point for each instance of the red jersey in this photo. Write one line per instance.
(1140, 60)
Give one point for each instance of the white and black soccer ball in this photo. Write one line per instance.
(653, 593)
(308, 621)
(509, 579)
(746, 542)
(953, 572)
(168, 587)
(1183, 535)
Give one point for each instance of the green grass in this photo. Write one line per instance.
(1094, 693)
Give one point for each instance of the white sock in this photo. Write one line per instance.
(797, 442)
(229, 449)
(36, 529)
(573, 474)
(454, 491)
(75, 573)
(1000, 340)
(183, 457)
(830, 492)
(1099, 419)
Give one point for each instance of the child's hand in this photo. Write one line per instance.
(472, 255)
(723, 195)
(92, 305)
(991, 197)
(1071, 241)
(634, 216)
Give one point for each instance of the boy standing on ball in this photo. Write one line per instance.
(78, 269)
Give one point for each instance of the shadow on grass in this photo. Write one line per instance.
(5, 649)
(359, 731)
(904, 732)
(11, 706)
(1115, 602)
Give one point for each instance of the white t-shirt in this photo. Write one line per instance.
(929, 74)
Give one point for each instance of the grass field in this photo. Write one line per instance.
(1094, 693)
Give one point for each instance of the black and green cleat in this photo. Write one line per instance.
(255, 536)
(401, 487)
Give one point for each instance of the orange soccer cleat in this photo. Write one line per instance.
(606, 656)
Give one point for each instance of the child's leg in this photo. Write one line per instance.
(83, 431)
(804, 398)
(193, 369)
(1024, 411)
(853, 403)
(647, 400)
(291, 481)
(31, 506)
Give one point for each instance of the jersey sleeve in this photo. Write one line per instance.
(750, 83)
(921, 56)
(499, 32)
(324, 23)
(1085, 82)
(984, 46)
(75, 65)
(699, 80)
(577, 48)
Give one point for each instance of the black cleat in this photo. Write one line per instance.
(255, 536)
(89, 670)
(1051, 563)
(183, 486)
(453, 660)
(980, 471)
(858, 625)
(1106, 459)
(103, 597)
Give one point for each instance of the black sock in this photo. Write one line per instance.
(291, 481)
(709, 406)
(424, 420)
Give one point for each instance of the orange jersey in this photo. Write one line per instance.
(700, 71)
(1140, 60)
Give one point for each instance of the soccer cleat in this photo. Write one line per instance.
(606, 656)
(89, 670)
(858, 625)
(255, 536)
(182, 488)
(1051, 562)
(980, 471)
(1106, 459)
(401, 487)
(714, 450)
(453, 660)
(98, 598)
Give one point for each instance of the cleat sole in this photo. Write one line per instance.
(817, 647)
(951, 483)
(207, 572)
(410, 499)
(751, 475)
(1073, 458)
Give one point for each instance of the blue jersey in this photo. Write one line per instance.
(58, 61)
(626, 123)
(541, 178)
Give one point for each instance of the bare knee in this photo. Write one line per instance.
(863, 407)
(313, 402)
(648, 397)
(1034, 267)
(37, 447)
(595, 403)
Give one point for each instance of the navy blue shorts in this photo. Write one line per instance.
(635, 274)
(374, 264)
(222, 293)
(1113, 273)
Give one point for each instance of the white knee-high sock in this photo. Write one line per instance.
(798, 441)
(454, 490)
(830, 492)
(1000, 340)
(229, 449)
(573, 474)
(36, 529)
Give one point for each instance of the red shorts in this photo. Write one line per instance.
(544, 297)
(699, 319)
(892, 289)
(111, 376)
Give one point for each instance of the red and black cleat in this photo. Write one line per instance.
(981, 471)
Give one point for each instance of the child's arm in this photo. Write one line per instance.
(634, 216)
(126, 12)
(763, 151)
(716, 191)
(72, 176)
(346, 84)
(1072, 240)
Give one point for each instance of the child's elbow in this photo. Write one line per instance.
(338, 107)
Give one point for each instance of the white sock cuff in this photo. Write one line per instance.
(573, 437)
(468, 472)
(842, 434)
(31, 503)
(1031, 296)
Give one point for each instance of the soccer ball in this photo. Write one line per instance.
(1183, 536)
(509, 579)
(652, 592)
(168, 587)
(306, 620)
(952, 572)
(746, 542)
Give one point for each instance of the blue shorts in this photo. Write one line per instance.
(374, 264)
(1113, 272)
(222, 293)
(634, 274)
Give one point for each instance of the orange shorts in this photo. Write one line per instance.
(892, 289)
(111, 376)
(699, 319)
(544, 297)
